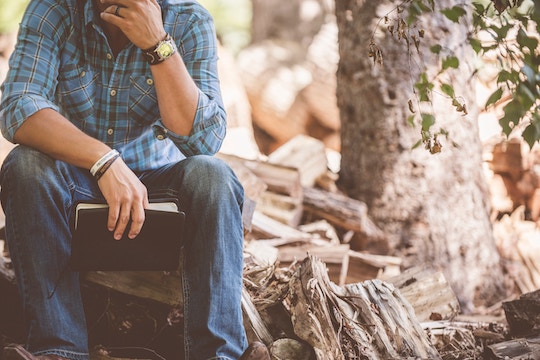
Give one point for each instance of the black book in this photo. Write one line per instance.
(157, 247)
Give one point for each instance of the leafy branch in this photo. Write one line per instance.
(510, 26)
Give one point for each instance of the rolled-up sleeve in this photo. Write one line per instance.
(198, 46)
(32, 79)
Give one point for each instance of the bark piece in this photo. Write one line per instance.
(523, 314)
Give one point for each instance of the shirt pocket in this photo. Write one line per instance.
(77, 93)
(143, 106)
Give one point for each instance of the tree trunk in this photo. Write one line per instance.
(432, 208)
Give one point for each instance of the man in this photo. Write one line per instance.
(114, 100)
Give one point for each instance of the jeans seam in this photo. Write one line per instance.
(64, 353)
(185, 296)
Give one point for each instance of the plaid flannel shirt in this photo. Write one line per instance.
(62, 61)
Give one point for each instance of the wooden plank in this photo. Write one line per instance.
(518, 349)
(164, 287)
(335, 257)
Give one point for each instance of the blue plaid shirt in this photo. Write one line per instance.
(62, 61)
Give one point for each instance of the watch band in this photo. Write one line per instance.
(161, 51)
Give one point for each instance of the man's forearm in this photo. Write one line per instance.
(177, 94)
(51, 133)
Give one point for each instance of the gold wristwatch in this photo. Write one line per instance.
(160, 52)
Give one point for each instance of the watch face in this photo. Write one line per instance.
(165, 50)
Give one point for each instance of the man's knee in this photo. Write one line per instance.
(210, 173)
(24, 165)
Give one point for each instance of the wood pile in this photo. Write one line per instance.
(308, 295)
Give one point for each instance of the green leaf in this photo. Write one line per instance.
(479, 9)
(417, 144)
(525, 96)
(531, 134)
(410, 120)
(526, 41)
(513, 112)
(501, 32)
(496, 96)
(505, 76)
(448, 90)
(454, 13)
(476, 45)
(436, 49)
(450, 62)
(427, 121)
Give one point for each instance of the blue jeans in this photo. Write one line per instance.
(37, 196)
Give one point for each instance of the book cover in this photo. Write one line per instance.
(157, 247)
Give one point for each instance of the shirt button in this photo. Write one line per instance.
(113, 92)
(160, 137)
(82, 73)
(149, 81)
(109, 56)
(110, 131)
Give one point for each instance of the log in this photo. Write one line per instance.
(278, 178)
(335, 257)
(322, 58)
(341, 211)
(518, 349)
(507, 159)
(311, 310)
(264, 227)
(364, 266)
(371, 320)
(283, 208)
(274, 85)
(459, 339)
(428, 292)
(304, 153)
(282, 197)
(256, 329)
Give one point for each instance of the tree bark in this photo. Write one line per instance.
(433, 208)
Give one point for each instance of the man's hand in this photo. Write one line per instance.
(127, 198)
(139, 20)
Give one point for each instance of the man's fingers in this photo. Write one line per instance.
(113, 217)
(137, 221)
(121, 223)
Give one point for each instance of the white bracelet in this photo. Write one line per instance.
(108, 156)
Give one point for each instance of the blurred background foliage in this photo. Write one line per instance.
(10, 14)
(233, 21)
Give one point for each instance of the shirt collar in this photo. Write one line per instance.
(89, 12)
